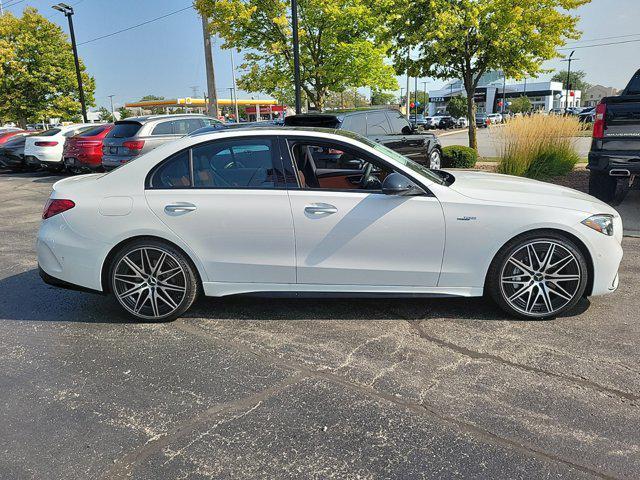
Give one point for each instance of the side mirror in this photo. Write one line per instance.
(398, 184)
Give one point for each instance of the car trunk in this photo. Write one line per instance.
(112, 144)
(622, 128)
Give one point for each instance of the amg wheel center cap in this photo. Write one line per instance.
(538, 277)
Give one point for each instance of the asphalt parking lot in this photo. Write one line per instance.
(273, 388)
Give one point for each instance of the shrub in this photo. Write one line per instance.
(458, 156)
(538, 146)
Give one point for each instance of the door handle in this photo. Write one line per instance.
(180, 207)
(320, 209)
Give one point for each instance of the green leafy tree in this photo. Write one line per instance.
(576, 79)
(153, 110)
(379, 97)
(521, 105)
(457, 107)
(105, 115)
(466, 38)
(338, 49)
(348, 99)
(124, 113)
(37, 71)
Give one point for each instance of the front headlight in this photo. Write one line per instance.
(600, 223)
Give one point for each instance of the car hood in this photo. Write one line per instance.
(493, 187)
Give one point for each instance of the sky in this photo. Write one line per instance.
(166, 57)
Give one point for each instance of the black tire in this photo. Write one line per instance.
(602, 186)
(501, 263)
(55, 168)
(188, 279)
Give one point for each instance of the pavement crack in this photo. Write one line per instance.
(122, 468)
(583, 382)
(306, 372)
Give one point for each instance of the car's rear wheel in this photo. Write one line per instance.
(153, 281)
(538, 276)
(602, 185)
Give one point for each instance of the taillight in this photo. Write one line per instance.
(46, 144)
(55, 206)
(600, 122)
(134, 145)
(88, 143)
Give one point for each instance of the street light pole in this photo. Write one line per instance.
(296, 55)
(68, 12)
(113, 116)
(235, 91)
(407, 108)
(569, 60)
(424, 107)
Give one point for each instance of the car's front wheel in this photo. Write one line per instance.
(435, 159)
(538, 276)
(153, 281)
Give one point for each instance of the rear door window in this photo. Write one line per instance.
(173, 173)
(186, 126)
(94, 131)
(355, 123)
(634, 85)
(124, 130)
(163, 128)
(399, 124)
(377, 124)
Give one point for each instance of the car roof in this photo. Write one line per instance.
(149, 118)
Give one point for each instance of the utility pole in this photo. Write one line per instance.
(407, 108)
(112, 111)
(296, 55)
(569, 60)
(1, 10)
(212, 108)
(401, 94)
(424, 107)
(235, 89)
(68, 12)
(504, 91)
(415, 96)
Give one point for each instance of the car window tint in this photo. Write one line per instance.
(94, 131)
(173, 173)
(208, 121)
(50, 133)
(377, 124)
(355, 123)
(163, 128)
(241, 163)
(76, 131)
(124, 130)
(186, 126)
(634, 85)
(399, 123)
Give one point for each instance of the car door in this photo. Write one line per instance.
(411, 144)
(364, 238)
(227, 200)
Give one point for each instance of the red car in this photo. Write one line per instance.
(10, 133)
(83, 152)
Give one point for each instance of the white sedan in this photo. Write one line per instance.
(45, 149)
(247, 210)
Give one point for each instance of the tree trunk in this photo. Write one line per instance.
(471, 117)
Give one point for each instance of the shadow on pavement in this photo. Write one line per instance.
(26, 297)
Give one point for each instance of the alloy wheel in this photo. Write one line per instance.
(149, 282)
(540, 278)
(434, 160)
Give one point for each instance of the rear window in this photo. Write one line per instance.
(49, 133)
(124, 130)
(634, 85)
(94, 131)
(325, 121)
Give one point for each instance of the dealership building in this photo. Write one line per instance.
(544, 96)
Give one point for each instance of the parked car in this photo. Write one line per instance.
(418, 121)
(482, 120)
(615, 149)
(430, 123)
(247, 211)
(587, 115)
(12, 153)
(462, 122)
(134, 136)
(446, 122)
(495, 118)
(83, 152)
(388, 127)
(45, 149)
(8, 133)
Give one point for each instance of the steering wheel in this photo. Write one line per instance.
(234, 164)
(366, 175)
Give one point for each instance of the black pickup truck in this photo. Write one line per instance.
(386, 126)
(614, 159)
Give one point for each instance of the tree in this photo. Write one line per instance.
(457, 107)
(576, 79)
(124, 113)
(378, 97)
(105, 115)
(338, 50)
(37, 71)
(466, 38)
(521, 105)
(348, 99)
